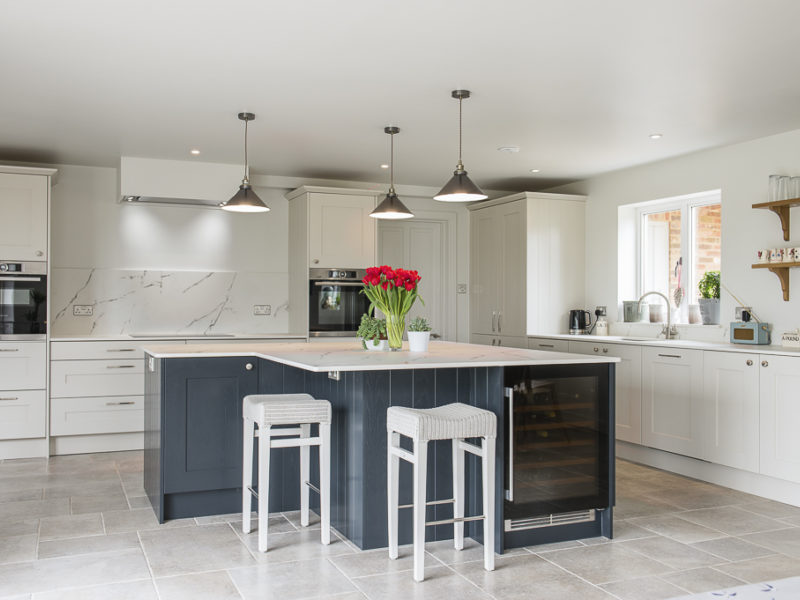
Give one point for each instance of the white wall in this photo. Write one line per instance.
(741, 171)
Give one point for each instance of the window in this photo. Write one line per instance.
(680, 239)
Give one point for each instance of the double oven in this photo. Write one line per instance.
(23, 300)
(335, 302)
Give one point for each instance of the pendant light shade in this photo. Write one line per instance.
(460, 188)
(245, 200)
(391, 207)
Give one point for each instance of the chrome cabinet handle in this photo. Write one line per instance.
(120, 366)
(749, 363)
(499, 342)
(336, 283)
(120, 403)
(9, 398)
(670, 355)
(509, 393)
(546, 346)
(9, 349)
(499, 316)
(764, 363)
(494, 316)
(121, 350)
(249, 366)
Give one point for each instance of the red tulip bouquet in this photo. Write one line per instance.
(393, 292)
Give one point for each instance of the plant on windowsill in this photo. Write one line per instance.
(419, 334)
(709, 287)
(372, 330)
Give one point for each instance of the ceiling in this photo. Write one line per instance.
(577, 85)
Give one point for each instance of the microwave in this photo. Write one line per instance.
(335, 302)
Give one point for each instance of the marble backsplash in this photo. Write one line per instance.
(131, 301)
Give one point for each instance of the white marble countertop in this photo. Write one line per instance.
(349, 356)
(177, 336)
(679, 343)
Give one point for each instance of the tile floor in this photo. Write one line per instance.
(79, 527)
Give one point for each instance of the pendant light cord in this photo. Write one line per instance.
(460, 164)
(391, 163)
(246, 164)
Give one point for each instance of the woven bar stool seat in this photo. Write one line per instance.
(448, 422)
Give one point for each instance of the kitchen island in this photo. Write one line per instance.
(555, 441)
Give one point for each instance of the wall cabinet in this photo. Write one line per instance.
(780, 416)
(672, 400)
(341, 232)
(526, 263)
(23, 216)
(730, 409)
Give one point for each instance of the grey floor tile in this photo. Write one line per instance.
(632, 506)
(297, 545)
(375, 562)
(18, 548)
(542, 548)
(673, 554)
(108, 488)
(678, 529)
(130, 590)
(290, 581)
(705, 579)
(702, 496)
(731, 520)
(519, 577)
(183, 550)
(793, 521)
(785, 541)
(732, 548)
(770, 508)
(277, 523)
(651, 588)
(15, 527)
(139, 502)
(446, 553)
(72, 571)
(294, 518)
(88, 545)
(20, 495)
(70, 526)
(98, 503)
(606, 563)
(440, 582)
(140, 519)
(33, 509)
(216, 585)
(762, 569)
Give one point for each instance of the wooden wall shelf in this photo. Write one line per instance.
(782, 271)
(780, 208)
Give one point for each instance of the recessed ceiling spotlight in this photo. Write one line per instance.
(656, 136)
(509, 149)
(384, 166)
(535, 170)
(194, 151)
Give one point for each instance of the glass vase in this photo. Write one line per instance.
(395, 326)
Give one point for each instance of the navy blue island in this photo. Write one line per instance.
(555, 444)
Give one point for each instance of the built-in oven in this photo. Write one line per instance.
(335, 301)
(23, 300)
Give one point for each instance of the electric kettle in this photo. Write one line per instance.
(580, 322)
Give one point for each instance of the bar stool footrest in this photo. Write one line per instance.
(456, 520)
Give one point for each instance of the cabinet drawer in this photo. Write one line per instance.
(104, 414)
(23, 365)
(96, 350)
(78, 378)
(548, 345)
(22, 414)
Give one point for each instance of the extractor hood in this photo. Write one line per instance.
(155, 181)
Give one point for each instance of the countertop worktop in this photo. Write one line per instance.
(349, 356)
(176, 336)
(679, 343)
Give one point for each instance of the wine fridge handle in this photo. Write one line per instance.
(509, 393)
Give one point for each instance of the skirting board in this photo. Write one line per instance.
(107, 442)
(32, 448)
(779, 490)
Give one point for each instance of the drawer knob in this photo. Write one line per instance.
(749, 363)
(605, 350)
(764, 363)
(597, 349)
(316, 261)
(249, 366)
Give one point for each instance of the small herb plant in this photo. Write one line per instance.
(371, 328)
(709, 285)
(419, 324)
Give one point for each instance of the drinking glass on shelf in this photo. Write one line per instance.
(774, 185)
(794, 188)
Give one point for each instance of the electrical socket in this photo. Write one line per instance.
(461, 288)
(82, 310)
(262, 310)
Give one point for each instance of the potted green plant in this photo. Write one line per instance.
(419, 334)
(393, 292)
(709, 297)
(372, 332)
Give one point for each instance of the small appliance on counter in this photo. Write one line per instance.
(580, 322)
(750, 332)
(601, 321)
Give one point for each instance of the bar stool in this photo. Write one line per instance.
(454, 422)
(302, 410)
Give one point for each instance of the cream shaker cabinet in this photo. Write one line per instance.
(779, 382)
(672, 400)
(23, 399)
(730, 409)
(341, 232)
(23, 216)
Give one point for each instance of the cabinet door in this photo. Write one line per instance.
(484, 278)
(341, 232)
(780, 415)
(488, 340)
(730, 409)
(23, 217)
(86, 378)
(23, 365)
(22, 414)
(628, 391)
(511, 242)
(202, 433)
(672, 391)
(512, 341)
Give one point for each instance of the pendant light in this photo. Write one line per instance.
(460, 188)
(245, 200)
(391, 207)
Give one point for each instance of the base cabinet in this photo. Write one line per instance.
(509, 341)
(730, 409)
(780, 416)
(672, 396)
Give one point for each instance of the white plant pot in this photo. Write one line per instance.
(382, 345)
(418, 341)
